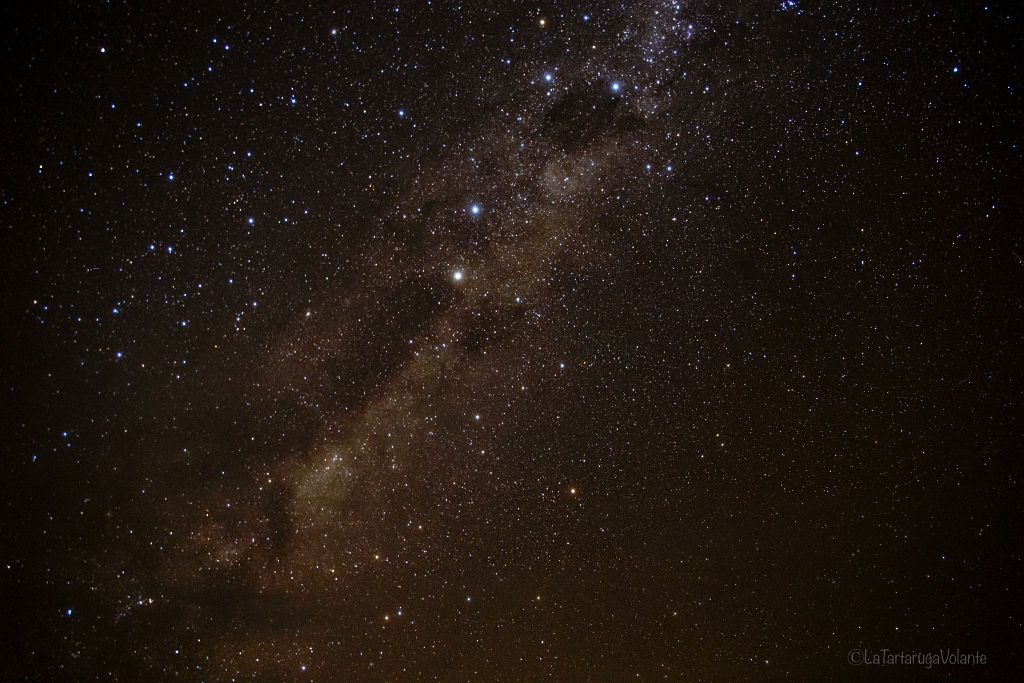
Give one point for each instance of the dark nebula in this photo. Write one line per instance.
(653, 340)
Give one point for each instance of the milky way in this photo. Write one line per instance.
(450, 326)
(663, 340)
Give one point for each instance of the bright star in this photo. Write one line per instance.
(616, 86)
(475, 209)
(457, 275)
(548, 77)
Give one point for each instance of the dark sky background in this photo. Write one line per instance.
(507, 341)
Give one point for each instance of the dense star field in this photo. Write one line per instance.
(505, 341)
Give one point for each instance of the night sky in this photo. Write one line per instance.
(505, 341)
